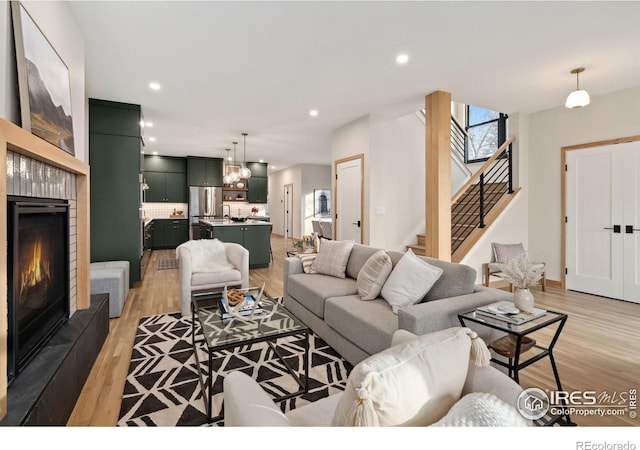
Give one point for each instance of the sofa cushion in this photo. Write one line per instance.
(205, 278)
(409, 282)
(456, 279)
(332, 258)
(369, 325)
(311, 290)
(360, 254)
(373, 275)
(411, 384)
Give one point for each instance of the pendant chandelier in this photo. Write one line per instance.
(244, 171)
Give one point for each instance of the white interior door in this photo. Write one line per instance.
(602, 201)
(288, 211)
(348, 220)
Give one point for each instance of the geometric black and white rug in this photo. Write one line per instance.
(163, 388)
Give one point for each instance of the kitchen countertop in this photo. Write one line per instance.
(225, 223)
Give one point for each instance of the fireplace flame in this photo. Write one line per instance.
(36, 271)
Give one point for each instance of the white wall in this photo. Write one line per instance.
(349, 140)
(58, 24)
(397, 180)
(607, 117)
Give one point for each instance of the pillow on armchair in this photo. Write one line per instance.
(504, 252)
(414, 383)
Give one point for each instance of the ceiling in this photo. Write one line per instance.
(259, 67)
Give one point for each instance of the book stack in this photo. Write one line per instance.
(244, 310)
(505, 311)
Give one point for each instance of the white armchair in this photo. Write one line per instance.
(195, 280)
(420, 380)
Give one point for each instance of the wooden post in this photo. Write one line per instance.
(438, 175)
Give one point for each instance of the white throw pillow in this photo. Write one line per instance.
(332, 258)
(411, 384)
(409, 281)
(482, 409)
(373, 274)
(307, 260)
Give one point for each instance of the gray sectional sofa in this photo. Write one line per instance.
(331, 307)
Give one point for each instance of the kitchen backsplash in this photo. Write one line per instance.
(164, 210)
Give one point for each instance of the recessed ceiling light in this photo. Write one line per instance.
(273, 167)
(154, 86)
(152, 139)
(402, 58)
(313, 113)
(155, 153)
(142, 124)
(148, 124)
(262, 160)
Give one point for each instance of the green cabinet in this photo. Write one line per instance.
(166, 177)
(258, 184)
(114, 158)
(255, 238)
(169, 233)
(166, 187)
(258, 190)
(204, 171)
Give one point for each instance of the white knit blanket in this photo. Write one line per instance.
(481, 409)
(207, 255)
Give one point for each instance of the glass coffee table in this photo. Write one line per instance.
(218, 334)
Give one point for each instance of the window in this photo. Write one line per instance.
(487, 131)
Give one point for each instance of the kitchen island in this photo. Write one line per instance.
(254, 235)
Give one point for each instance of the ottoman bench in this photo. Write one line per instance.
(111, 277)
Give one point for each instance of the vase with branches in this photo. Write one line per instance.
(522, 274)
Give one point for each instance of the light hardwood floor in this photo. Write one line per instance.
(597, 351)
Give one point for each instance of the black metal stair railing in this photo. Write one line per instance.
(471, 206)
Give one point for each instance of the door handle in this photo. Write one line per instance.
(616, 228)
(629, 229)
(356, 223)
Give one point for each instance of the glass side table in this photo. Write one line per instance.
(221, 334)
(517, 342)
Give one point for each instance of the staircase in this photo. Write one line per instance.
(478, 203)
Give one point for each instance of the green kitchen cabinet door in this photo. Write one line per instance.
(229, 233)
(176, 187)
(214, 172)
(257, 239)
(258, 169)
(157, 187)
(159, 237)
(258, 189)
(181, 231)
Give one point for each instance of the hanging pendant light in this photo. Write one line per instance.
(244, 171)
(227, 172)
(579, 97)
(235, 174)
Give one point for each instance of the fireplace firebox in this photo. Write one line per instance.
(38, 275)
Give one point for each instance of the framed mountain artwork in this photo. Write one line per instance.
(43, 81)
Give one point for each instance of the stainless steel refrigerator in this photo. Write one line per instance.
(204, 202)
